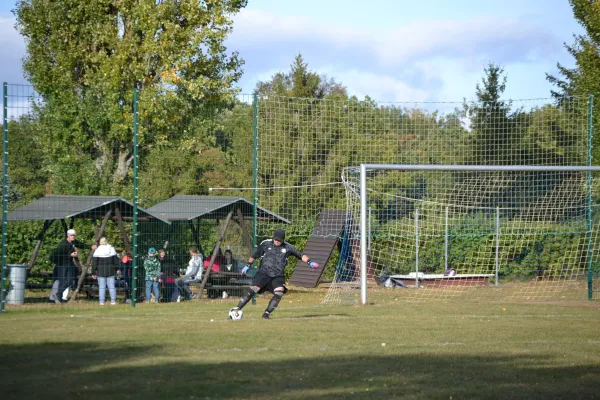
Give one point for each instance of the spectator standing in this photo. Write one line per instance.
(104, 268)
(152, 269)
(64, 258)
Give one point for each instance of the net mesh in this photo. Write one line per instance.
(68, 170)
(304, 144)
(453, 234)
(286, 156)
(71, 166)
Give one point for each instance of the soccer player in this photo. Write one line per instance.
(273, 254)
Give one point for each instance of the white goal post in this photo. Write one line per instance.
(364, 211)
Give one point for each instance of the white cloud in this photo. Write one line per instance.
(472, 38)
(267, 75)
(491, 37)
(376, 86)
(422, 61)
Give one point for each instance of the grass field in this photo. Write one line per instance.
(307, 351)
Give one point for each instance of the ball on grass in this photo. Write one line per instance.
(212, 320)
(72, 315)
(382, 344)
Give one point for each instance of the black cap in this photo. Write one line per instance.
(279, 235)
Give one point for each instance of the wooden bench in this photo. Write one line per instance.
(223, 281)
(92, 291)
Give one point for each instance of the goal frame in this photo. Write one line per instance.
(430, 167)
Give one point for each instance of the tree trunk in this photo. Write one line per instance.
(124, 160)
(126, 241)
(245, 232)
(38, 245)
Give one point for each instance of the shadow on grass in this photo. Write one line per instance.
(88, 370)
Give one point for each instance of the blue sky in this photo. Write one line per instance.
(391, 50)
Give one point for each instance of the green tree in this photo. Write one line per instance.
(301, 82)
(584, 78)
(25, 161)
(492, 121)
(85, 58)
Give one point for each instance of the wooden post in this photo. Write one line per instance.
(195, 233)
(214, 256)
(64, 225)
(245, 232)
(95, 228)
(169, 233)
(85, 267)
(38, 244)
(126, 240)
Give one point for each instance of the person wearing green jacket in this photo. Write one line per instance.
(152, 268)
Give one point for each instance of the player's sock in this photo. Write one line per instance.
(277, 295)
(246, 298)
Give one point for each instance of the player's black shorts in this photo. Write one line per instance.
(268, 283)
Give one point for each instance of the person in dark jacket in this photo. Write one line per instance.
(125, 266)
(64, 258)
(273, 254)
(104, 268)
(229, 264)
(168, 275)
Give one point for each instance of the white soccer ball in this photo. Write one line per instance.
(236, 314)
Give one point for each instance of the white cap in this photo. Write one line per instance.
(71, 232)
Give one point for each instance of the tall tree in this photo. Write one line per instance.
(492, 120)
(584, 78)
(85, 57)
(300, 81)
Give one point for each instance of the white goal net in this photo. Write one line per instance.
(452, 232)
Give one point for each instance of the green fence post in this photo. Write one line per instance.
(4, 190)
(589, 199)
(255, 143)
(255, 157)
(134, 244)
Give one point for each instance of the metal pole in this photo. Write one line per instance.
(416, 247)
(4, 191)
(446, 243)
(255, 199)
(589, 199)
(135, 196)
(497, 242)
(369, 232)
(255, 157)
(363, 234)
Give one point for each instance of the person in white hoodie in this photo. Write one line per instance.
(193, 273)
(104, 268)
